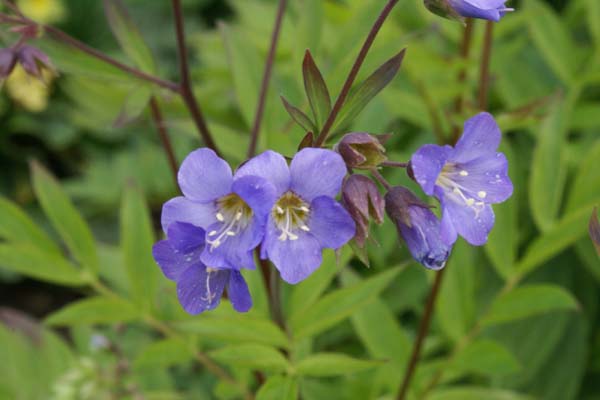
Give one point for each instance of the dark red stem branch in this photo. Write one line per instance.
(164, 136)
(262, 98)
(465, 50)
(186, 84)
(484, 71)
(353, 73)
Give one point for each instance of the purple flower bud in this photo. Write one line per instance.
(33, 60)
(361, 150)
(491, 10)
(8, 59)
(418, 226)
(363, 201)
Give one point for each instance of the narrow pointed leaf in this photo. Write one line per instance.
(527, 301)
(278, 387)
(362, 94)
(163, 354)
(29, 260)
(333, 364)
(594, 228)
(134, 105)
(65, 219)
(316, 90)
(128, 36)
(255, 356)
(299, 117)
(94, 310)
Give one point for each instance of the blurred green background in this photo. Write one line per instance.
(516, 319)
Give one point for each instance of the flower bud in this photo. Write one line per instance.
(418, 226)
(361, 150)
(34, 61)
(8, 59)
(363, 201)
(491, 10)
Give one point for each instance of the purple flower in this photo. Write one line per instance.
(466, 178)
(418, 226)
(491, 10)
(305, 217)
(363, 201)
(232, 210)
(199, 288)
(8, 59)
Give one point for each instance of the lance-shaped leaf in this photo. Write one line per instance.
(134, 105)
(362, 94)
(595, 230)
(128, 36)
(316, 90)
(299, 117)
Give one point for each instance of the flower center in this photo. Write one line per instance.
(290, 214)
(447, 180)
(234, 215)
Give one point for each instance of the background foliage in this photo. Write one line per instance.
(86, 312)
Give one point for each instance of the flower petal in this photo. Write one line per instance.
(238, 292)
(204, 177)
(235, 252)
(477, 9)
(257, 192)
(487, 178)
(330, 223)
(181, 209)
(472, 225)
(185, 237)
(481, 136)
(199, 290)
(427, 163)
(270, 166)
(173, 262)
(295, 259)
(317, 172)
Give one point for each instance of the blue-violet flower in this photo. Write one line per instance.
(491, 10)
(232, 210)
(418, 226)
(199, 288)
(305, 218)
(466, 178)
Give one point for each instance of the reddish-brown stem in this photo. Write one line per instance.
(377, 175)
(465, 50)
(186, 84)
(320, 140)
(484, 71)
(394, 164)
(421, 335)
(164, 136)
(262, 97)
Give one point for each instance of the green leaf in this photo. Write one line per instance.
(254, 356)
(333, 364)
(128, 36)
(584, 191)
(548, 169)
(29, 260)
(316, 90)
(501, 246)
(338, 305)
(552, 39)
(64, 217)
(136, 244)
(476, 393)
(594, 229)
(163, 354)
(486, 357)
(299, 117)
(562, 235)
(363, 93)
(16, 226)
(456, 308)
(94, 310)
(307, 292)
(237, 329)
(134, 105)
(278, 387)
(527, 301)
(592, 12)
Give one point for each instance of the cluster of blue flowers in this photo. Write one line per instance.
(291, 215)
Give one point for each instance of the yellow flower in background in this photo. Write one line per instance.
(44, 11)
(28, 91)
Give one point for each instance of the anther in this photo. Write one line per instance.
(304, 208)
(470, 202)
(209, 270)
(280, 210)
(238, 215)
(220, 217)
(482, 194)
(464, 173)
(230, 233)
(212, 233)
(305, 228)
